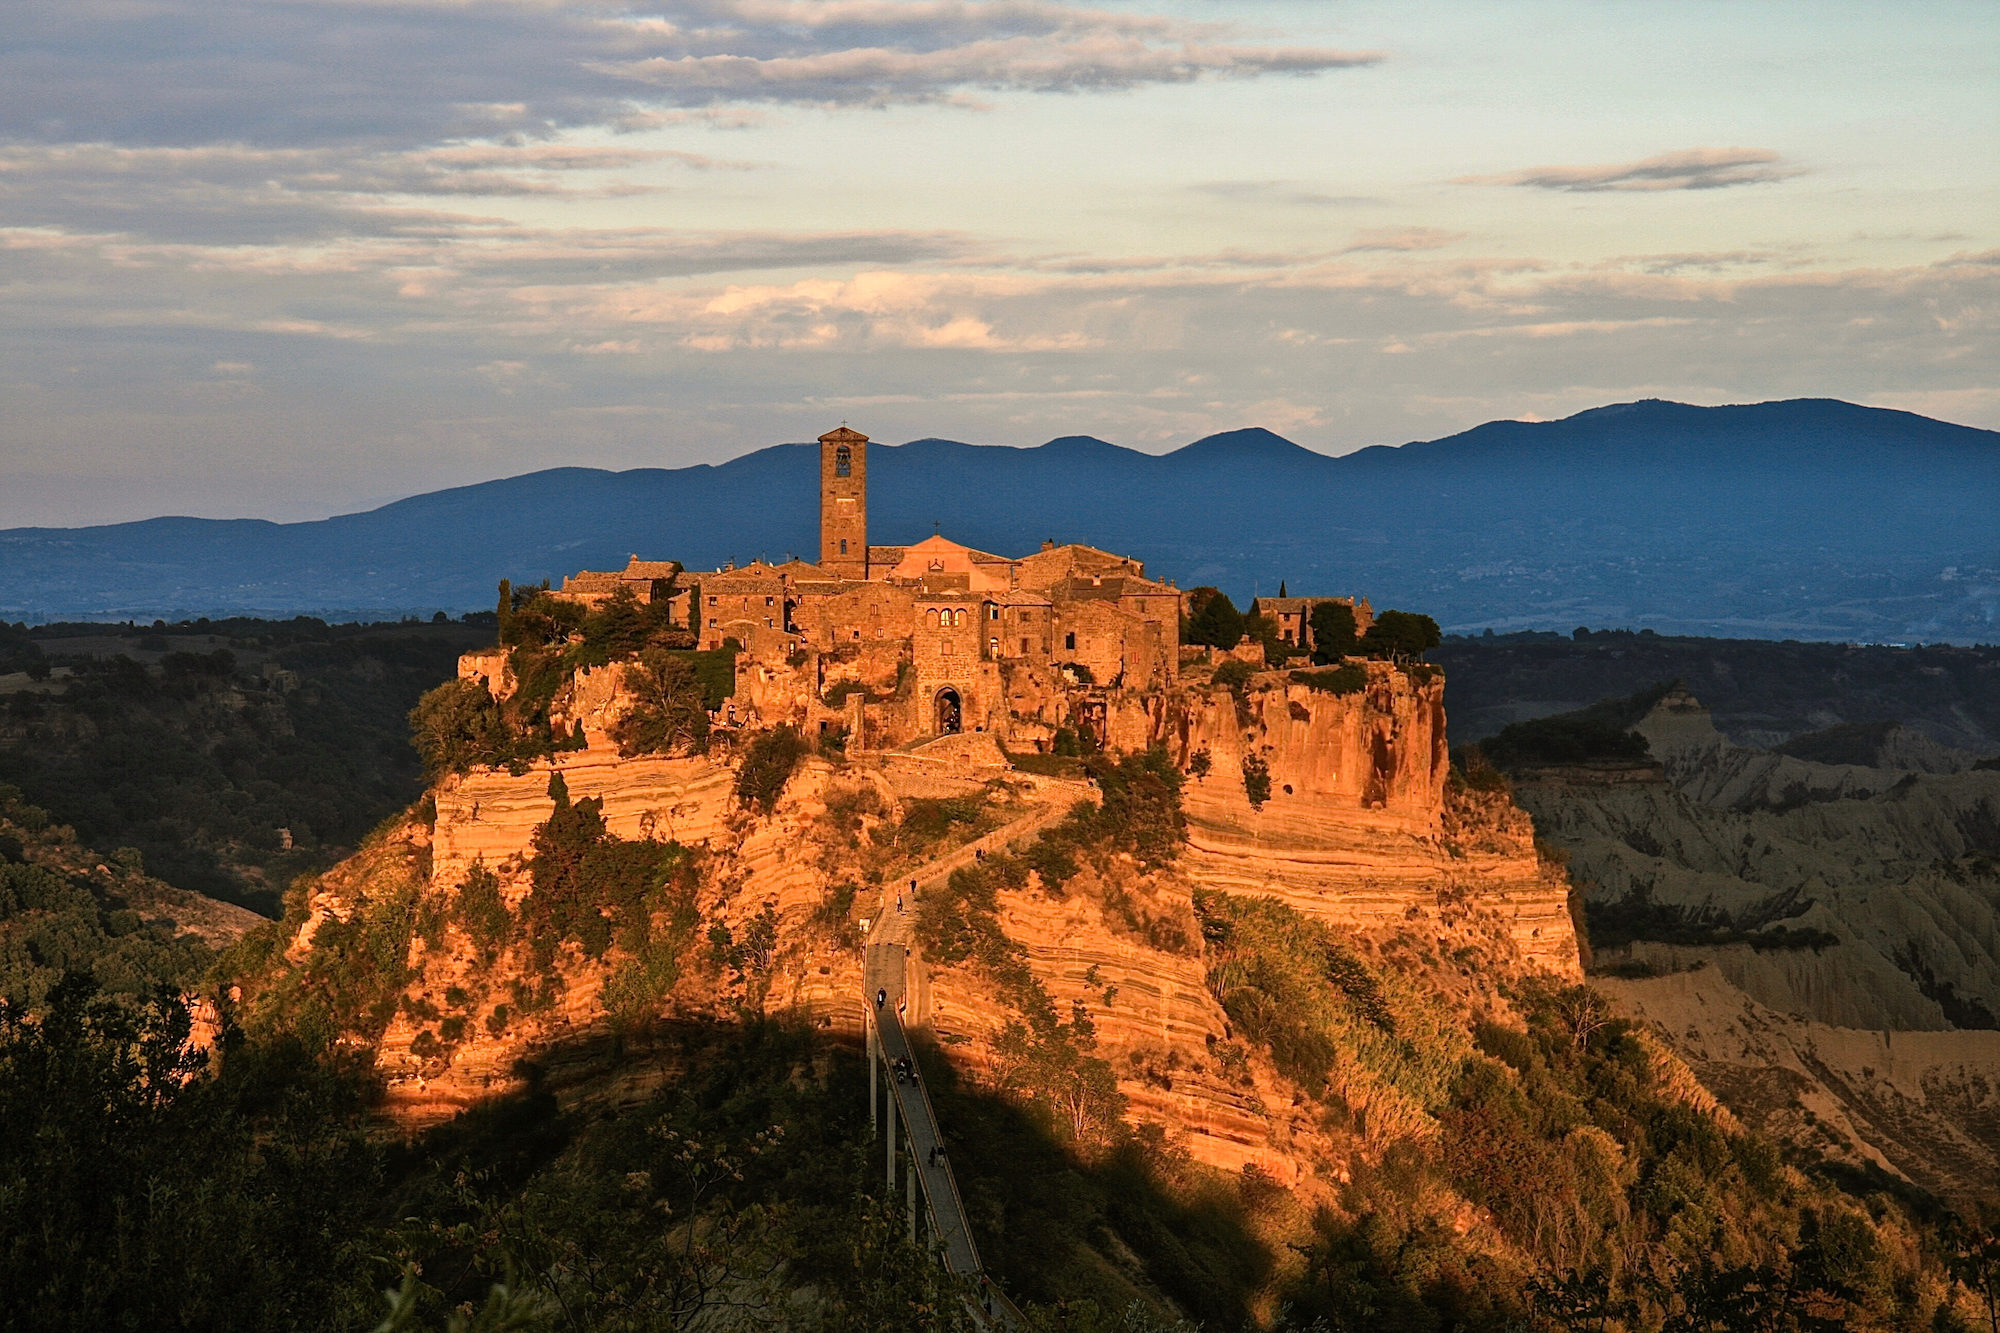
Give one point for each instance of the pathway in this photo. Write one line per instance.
(891, 947)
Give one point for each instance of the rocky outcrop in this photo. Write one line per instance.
(1361, 829)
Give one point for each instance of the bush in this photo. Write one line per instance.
(669, 714)
(1347, 678)
(1256, 780)
(482, 912)
(591, 888)
(768, 766)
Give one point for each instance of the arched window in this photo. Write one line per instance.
(958, 616)
(843, 461)
(931, 618)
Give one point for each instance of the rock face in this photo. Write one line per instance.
(1362, 831)
(1879, 1017)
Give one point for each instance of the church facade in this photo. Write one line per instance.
(893, 643)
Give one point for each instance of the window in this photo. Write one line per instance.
(993, 646)
(711, 601)
(1069, 641)
(843, 546)
(930, 618)
(769, 602)
(843, 461)
(992, 612)
(1024, 645)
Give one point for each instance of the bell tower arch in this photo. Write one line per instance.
(843, 503)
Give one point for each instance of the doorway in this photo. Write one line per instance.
(950, 714)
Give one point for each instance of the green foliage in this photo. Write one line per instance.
(669, 713)
(1139, 814)
(482, 913)
(592, 889)
(138, 1191)
(1332, 635)
(1212, 619)
(1565, 739)
(198, 765)
(768, 765)
(1347, 678)
(50, 926)
(1256, 780)
(1332, 1022)
(1234, 676)
(1400, 635)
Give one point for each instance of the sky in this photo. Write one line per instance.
(289, 258)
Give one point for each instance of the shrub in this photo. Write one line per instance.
(768, 766)
(1347, 678)
(670, 713)
(591, 888)
(482, 913)
(1256, 780)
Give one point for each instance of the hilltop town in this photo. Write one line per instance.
(887, 644)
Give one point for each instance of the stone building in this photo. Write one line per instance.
(893, 643)
(1293, 615)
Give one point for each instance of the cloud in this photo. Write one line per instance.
(1286, 193)
(1689, 169)
(422, 72)
(1401, 238)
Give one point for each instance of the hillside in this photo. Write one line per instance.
(1268, 1012)
(1808, 519)
(1820, 940)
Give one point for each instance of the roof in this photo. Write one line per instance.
(1294, 605)
(635, 568)
(843, 436)
(939, 544)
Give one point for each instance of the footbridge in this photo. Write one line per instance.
(918, 1150)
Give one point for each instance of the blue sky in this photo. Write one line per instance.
(284, 258)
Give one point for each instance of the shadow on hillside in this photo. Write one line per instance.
(1050, 1226)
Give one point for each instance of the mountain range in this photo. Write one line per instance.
(1810, 519)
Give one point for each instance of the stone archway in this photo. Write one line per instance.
(950, 712)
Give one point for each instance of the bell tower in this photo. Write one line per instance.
(843, 503)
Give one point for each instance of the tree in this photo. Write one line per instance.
(457, 726)
(670, 714)
(1398, 634)
(1212, 619)
(1332, 632)
(506, 608)
(768, 767)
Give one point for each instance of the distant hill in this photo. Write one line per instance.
(1811, 519)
